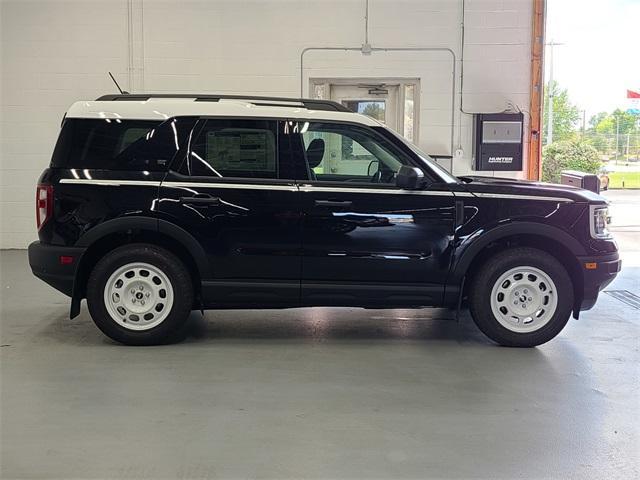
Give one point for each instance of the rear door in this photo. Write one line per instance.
(365, 241)
(233, 190)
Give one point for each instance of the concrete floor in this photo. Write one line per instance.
(319, 393)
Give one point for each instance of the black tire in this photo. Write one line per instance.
(169, 265)
(488, 274)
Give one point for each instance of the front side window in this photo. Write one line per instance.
(349, 153)
(439, 173)
(234, 148)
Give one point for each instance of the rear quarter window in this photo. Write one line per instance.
(117, 144)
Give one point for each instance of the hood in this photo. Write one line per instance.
(509, 186)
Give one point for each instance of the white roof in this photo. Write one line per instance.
(163, 108)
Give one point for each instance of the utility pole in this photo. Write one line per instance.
(617, 133)
(551, 44)
(628, 136)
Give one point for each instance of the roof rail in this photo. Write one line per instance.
(311, 104)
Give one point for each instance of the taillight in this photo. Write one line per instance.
(44, 204)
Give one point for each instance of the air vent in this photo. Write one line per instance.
(625, 296)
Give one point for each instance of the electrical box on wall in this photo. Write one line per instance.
(497, 139)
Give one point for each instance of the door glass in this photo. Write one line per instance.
(234, 148)
(346, 153)
(373, 108)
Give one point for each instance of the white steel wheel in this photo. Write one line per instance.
(524, 299)
(138, 296)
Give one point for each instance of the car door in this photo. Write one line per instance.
(365, 241)
(233, 190)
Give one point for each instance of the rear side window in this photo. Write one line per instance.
(234, 148)
(116, 144)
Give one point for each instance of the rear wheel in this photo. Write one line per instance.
(522, 297)
(140, 294)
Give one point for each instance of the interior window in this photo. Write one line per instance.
(372, 108)
(130, 136)
(347, 153)
(235, 148)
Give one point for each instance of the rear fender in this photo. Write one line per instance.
(130, 225)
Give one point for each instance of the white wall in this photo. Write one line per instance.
(57, 52)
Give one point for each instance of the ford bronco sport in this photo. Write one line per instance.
(155, 205)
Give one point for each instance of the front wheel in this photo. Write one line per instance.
(521, 297)
(140, 294)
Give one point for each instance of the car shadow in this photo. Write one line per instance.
(318, 324)
(325, 324)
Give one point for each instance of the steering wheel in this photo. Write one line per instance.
(383, 176)
(376, 177)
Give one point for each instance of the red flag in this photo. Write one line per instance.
(632, 94)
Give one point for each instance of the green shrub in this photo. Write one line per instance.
(570, 155)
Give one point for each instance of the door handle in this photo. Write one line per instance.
(200, 200)
(333, 203)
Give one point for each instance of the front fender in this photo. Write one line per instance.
(473, 244)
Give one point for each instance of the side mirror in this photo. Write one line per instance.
(409, 178)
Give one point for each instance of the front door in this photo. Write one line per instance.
(365, 241)
(234, 192)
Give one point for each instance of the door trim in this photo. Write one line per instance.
(250, 293)
(371, 294)
(240, 186)
(388, 191)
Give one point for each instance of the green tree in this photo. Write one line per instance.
(575, 154)
(602, 143)
(625, 122)
(605, 126)
(595, 120)
(374, 110)
(565, 114)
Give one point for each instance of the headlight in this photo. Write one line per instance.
(599, 215)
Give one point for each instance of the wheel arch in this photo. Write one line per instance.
(117, 232)
(551, 240)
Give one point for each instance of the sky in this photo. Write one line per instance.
(600, 58)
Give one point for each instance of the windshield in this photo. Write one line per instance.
(426, 159)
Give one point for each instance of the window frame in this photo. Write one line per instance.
(294, 151)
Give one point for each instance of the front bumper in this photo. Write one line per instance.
(47, 264)
(597, 272)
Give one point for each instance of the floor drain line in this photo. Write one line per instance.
(625, 296)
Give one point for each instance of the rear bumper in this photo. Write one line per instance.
(46, 264)
(595, 279)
